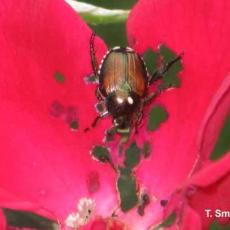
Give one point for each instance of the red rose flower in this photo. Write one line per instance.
(45, 163)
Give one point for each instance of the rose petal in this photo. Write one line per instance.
(199, 29)
(107, 224)
(15, 228)
(2, 220)
(191, 220)
(42, 161)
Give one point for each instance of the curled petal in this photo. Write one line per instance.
(213, 172)
(212, 191)
(214, 119)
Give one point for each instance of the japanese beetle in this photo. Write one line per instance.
(123, 84)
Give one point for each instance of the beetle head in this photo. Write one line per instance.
(123, 106)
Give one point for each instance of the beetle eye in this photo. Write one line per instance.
(130, 100)
(120, 100)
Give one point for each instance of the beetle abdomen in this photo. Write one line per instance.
(122, 69)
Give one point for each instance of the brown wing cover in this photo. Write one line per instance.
(123, 68)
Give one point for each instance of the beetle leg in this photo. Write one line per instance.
(150, 97)
(153, 95)
(138, 122)
(91, 79)
(97, 119)
(158, 74)
(93, 55)
(101, 107)
(98, 94)
(103, 112)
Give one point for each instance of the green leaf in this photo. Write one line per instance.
(23, 219)
(132, 156)
(125, 171)
(101, 153)
(170, 77)
(156, 116)
(110, 134)
(223, 142)
(216, 226)
(128, 193)
(150, 58)
(168, 222)
(167, 53)
(59, 77)
(146, 149)
(98, 15)
(74, 125)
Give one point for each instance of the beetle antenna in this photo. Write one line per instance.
(93, 54)
(152, 96)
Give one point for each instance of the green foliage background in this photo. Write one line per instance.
(113, 34)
